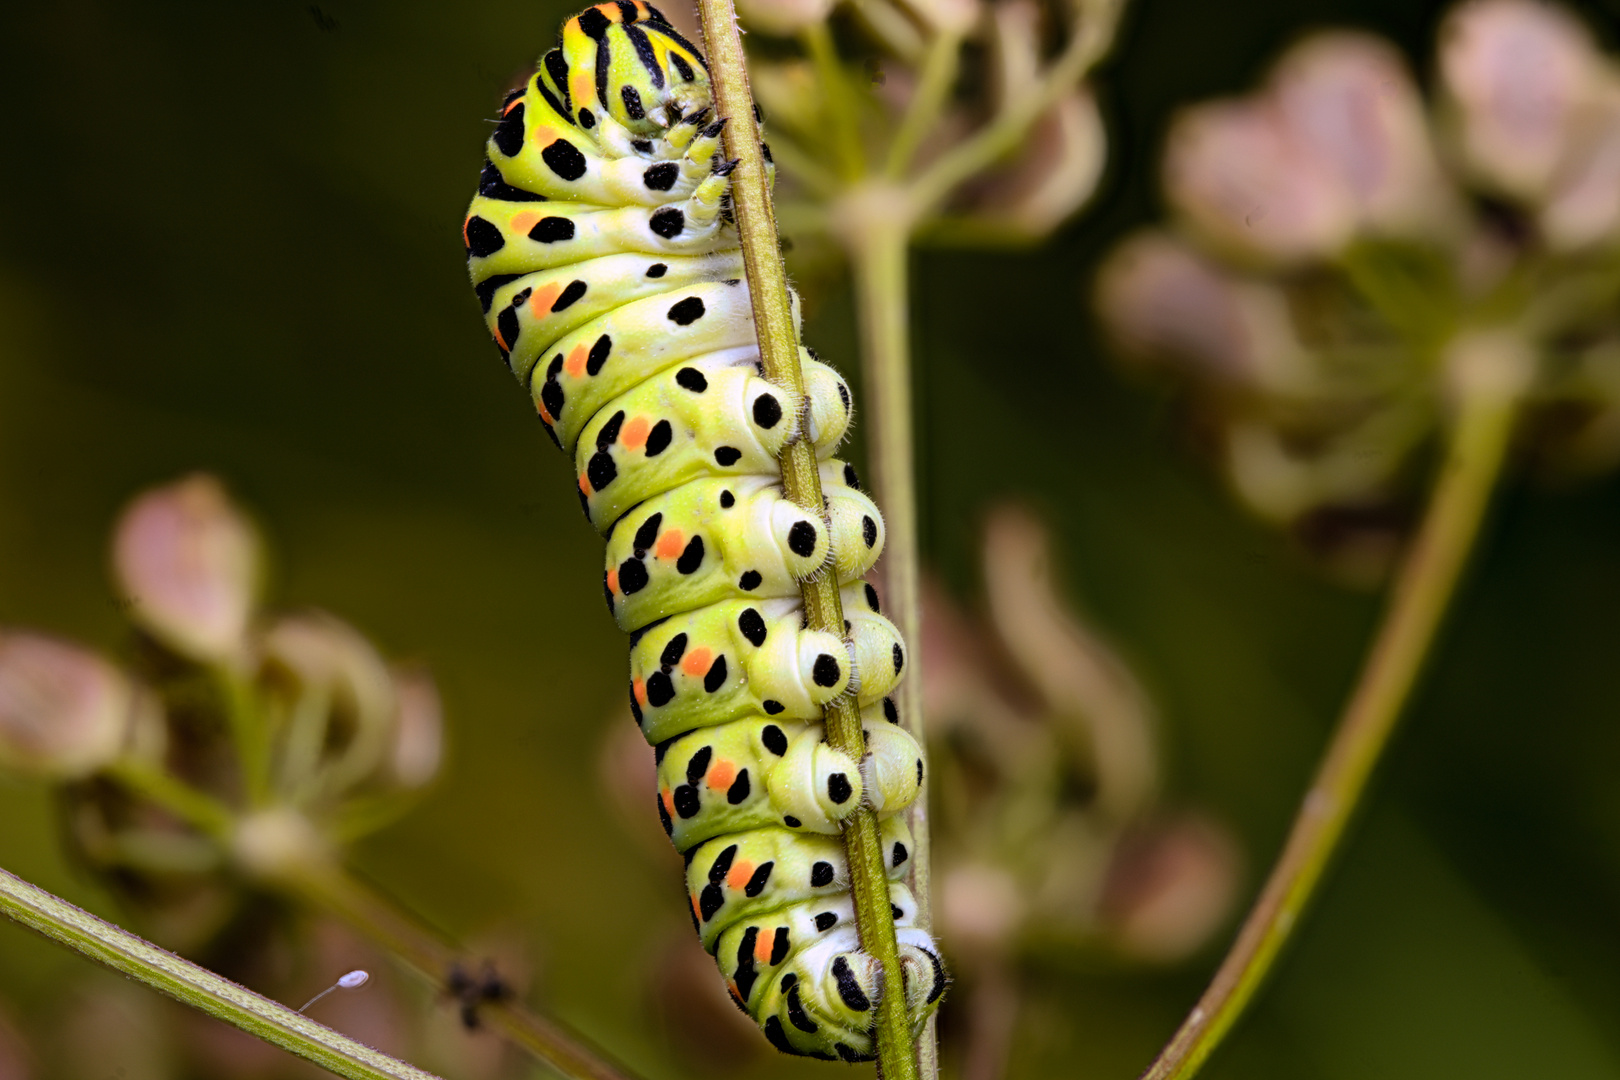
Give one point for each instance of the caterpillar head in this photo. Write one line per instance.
(623, 60)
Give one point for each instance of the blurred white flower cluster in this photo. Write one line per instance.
(233, 739)
(1334, 239)
(1051, 834)
(856, 139)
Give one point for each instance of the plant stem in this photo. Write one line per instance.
(248, 732)
(198, 987)
(801, 482)
(196, 808)
(879, 260)
(329, 887)
(922, 112)
(1483, 423)
(878, 249)
(841, 120)
(1088, 41)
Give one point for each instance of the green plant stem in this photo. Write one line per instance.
(801, 482)
(1426, 582)
(841, 121)
(248, 732)
(879, 260)
(922, 111)
(198, 987)
(196, 808)
(1088, 42)
(330, 888)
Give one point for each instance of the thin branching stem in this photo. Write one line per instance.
(801, 482)
(156, 785)
(330, 888)
(326, 886)
(1089, 40)
(835, 94)
(927, 101)
(1477, 445)
(198, 987)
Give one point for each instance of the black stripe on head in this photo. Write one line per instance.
(675, 36)
(627, 12)
(553, 104)
(604, 58)
(645, 53)
(557, 68)
(593, 23)
(682, 68)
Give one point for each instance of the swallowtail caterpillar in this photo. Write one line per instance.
(602, 250)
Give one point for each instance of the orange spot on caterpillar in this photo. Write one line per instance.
(515, 103)
(545, 414)
(696, 911)
(613, 586)
(540, 303)
(762, 948)
(465, 242)
(740, 873)
(670, 545)
(523, 222)
(501, 338)
(585, 483)
(639, 688)
(634, 434)
(696, 662)
(575, 364)
(737, 997)
(669, 800)
(721, 776)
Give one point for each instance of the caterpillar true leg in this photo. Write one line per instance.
(608, 272)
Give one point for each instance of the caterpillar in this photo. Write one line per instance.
(603, 253)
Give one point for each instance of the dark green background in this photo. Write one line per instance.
(229, 240)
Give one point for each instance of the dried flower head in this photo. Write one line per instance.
(1339, 252)
(189, 564)
(64, 711)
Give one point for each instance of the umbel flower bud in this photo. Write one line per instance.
(64, 712)
(1165, 302)
(1517, 75)
(1241, 181)
(189, 564)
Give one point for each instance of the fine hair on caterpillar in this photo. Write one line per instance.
(603, 254)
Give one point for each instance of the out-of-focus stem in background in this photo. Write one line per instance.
(1491, 374)
(198, 987)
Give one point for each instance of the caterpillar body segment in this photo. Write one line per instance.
(760, 772)
(712, 417)
(707, 539)
(703, 668)
(751, 774)
(604, 259)
(543, 236)
(745, 874)
(817, 1000)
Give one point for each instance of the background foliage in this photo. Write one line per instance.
(228, 240)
